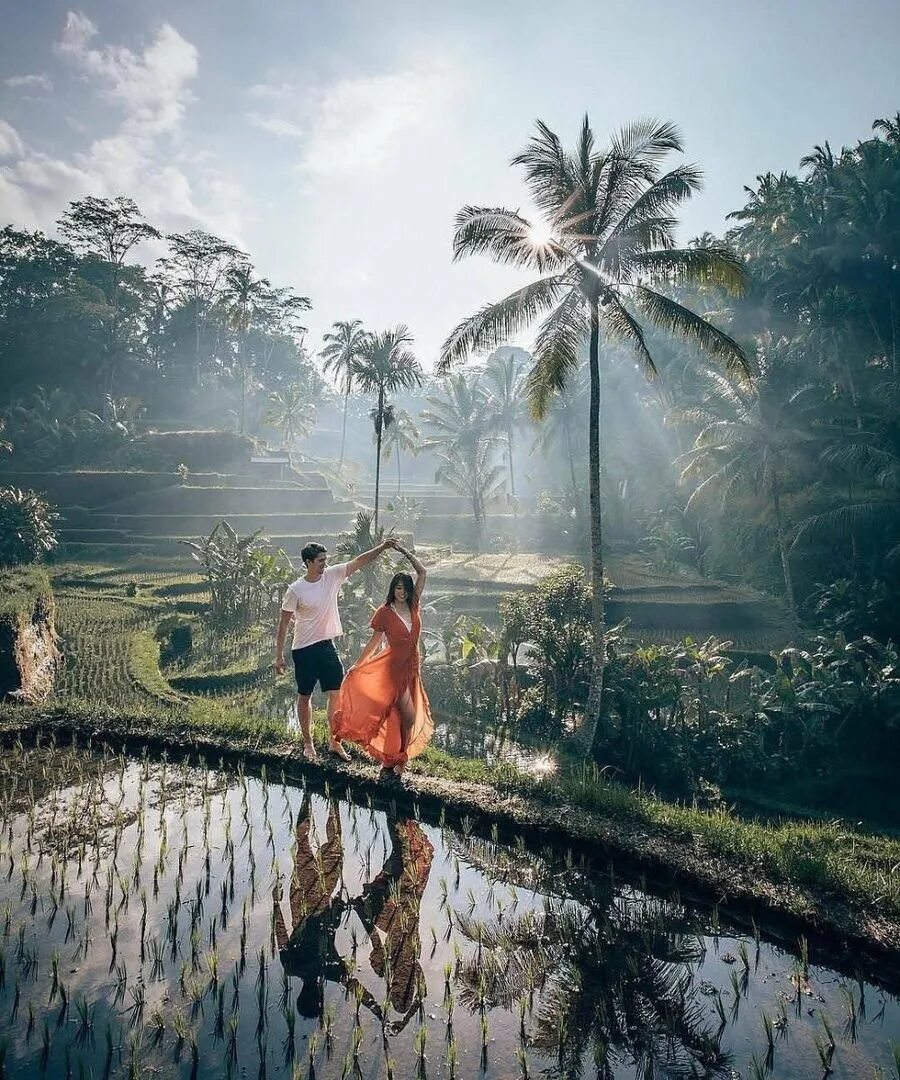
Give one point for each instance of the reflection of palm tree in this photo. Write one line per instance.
(610, 979)
(308, 950)
(389, 910)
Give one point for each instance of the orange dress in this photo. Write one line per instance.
(367, 711)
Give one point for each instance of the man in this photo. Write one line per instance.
(312, 602)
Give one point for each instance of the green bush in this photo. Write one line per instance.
(27, 527)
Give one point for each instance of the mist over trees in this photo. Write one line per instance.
(788, 478)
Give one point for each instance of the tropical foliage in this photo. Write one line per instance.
(244, 579)
(27, 527)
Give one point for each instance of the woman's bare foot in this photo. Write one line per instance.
(337, 748)
(309, 752)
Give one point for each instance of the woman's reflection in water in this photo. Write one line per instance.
(388, 909)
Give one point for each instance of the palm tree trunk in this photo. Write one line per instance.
(598, 613)
(782, 550)
(243, 388)
(344, 427)
(397, 448)
(379, 428)
(512, 475)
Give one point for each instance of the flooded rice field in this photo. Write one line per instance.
(182, 919)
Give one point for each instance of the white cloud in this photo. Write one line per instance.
(33, 83)
(276, 125)
(10, 143)
(355, 122)
(152, 86)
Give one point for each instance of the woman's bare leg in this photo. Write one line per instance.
(407, 721)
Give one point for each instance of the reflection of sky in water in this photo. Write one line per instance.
(486, 884)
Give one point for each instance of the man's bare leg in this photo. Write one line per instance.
(303, 715)
(334, 743)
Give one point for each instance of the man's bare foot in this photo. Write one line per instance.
(336, 747)
(309, 752)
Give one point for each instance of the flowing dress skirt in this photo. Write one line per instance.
(368, 714)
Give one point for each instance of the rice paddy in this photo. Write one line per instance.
(176, 918)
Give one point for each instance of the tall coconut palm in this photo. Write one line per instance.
(504, 379)
(603, 246)
(342, 348)
(385, 364)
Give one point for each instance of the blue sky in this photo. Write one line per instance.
(335, 141)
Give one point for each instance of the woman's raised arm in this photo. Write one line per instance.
(421, 572)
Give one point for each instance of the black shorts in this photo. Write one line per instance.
(317, 663)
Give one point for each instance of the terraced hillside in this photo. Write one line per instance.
(122, 514)
(659, 606)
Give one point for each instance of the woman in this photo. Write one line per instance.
(383, 706)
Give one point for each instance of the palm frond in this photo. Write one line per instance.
(496, 323)
(701, 265)
(549, 171)
(846, 519)
(555, 353)
(675, 319)
(646, 141)
(504, 235)
(623, 326)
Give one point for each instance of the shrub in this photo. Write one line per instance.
(243, 579)
(27, 527)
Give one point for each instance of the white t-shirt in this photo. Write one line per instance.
(314, 604)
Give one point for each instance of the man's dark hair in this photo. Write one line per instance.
(312, 551)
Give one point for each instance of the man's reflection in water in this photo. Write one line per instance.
(309, 952)
(388, 909)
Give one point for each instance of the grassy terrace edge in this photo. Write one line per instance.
(792, 878)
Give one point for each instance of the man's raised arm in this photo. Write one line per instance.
(370, 556)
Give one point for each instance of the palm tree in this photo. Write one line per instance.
(751, 437)
(291, 413)
(242, 293)
(342, 348)
(504, 377)
(604, 243)
(384, 365)
(461, 430)
(400, 434)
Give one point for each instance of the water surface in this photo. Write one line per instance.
(179, 919)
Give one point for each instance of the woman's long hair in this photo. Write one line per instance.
(407, 582)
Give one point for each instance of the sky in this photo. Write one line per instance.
(335, 141)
